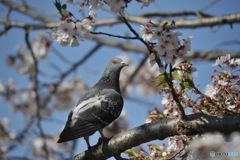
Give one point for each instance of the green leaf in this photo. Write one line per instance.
(157, 147)
(160, 81)
(176, 76)
(165, 24)
(58, 5)
(186, 85)
(131, 153)
(189, 84)
(64, 6)
(158, 116)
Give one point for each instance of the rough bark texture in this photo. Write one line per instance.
(193, 124)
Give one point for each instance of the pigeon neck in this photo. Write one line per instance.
(110, 80)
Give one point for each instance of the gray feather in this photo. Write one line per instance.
(97, 108)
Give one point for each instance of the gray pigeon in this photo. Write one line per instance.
(97, 108)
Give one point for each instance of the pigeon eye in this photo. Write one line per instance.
(114, 62)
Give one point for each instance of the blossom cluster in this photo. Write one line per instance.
(173, 149)
(222, 96)
(116, 6)
(23, 60)
(167, 45)
(70, 32)
(6, 135)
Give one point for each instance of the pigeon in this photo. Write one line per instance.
(97, 108)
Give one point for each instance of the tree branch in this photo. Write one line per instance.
(209, 55)
(176, 14)
(113, 35)
(194, 124)
(25, 10)
(196, 23)
(35, 89)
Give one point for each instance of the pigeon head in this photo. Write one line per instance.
(110, 77)
(114, 67)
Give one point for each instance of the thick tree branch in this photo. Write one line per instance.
(196, 23)
(194, 124)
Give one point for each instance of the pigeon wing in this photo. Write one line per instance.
(94, 111)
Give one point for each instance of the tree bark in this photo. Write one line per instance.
(198, 123)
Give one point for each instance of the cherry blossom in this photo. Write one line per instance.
(116, 5)
(146, 32)
(168, 47)
(69, 32)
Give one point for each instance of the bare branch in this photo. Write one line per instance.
(209, 5)
(113, 35)
(25, 10)
(74, 67)
(21, 136)
(196, 23)
(35, 88)
(176, 14)
(208, 55)
(169, 80)
(194, 124)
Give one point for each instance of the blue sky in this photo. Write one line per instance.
(91, 70)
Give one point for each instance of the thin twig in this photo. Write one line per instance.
(213, 2)
(25, 10)
(113, 35)
(168, 79)
(37, 98)
(135, 33)
(74, 66)
(175, 14)
(21, 136)
(173, 92)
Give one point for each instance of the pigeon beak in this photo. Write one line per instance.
(124, 64)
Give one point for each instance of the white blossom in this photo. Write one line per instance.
(92, 16)
(222, 82)
(116, 5)
(40, 47)
(63, 34)
(5, 122)
(187, 43)
(74, 42)
(152, 59)
(146, 32)
(83, 28)
(235, 62)
(210, 91)
(95, 4)
(222, 60)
